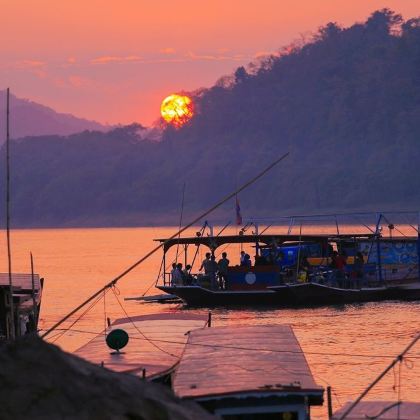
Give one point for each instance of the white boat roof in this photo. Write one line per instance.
(380, 410)
(244, 360)
(155, 344)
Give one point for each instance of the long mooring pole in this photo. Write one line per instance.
(175, 235)
(9, 251)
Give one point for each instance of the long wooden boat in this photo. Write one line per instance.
(247, 372)
(390, 270)
(155, 344)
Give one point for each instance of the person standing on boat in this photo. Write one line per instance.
(223, 265)
(206, 263)
(212, 268)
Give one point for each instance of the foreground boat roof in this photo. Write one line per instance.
(216, 241)
(155, 345)
(381, 410)
(244, 362)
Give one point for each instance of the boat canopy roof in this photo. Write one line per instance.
(214, 242)
(265, 360)
(21, 282)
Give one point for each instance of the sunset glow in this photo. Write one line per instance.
(177, 109)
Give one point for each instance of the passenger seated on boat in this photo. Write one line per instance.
(177, 277)
(242, 258)
(187, 277)
(246, 262)
(223, 265)
(261, 260)
(305, 267)
(174, 274)
(358, 270)
(338, 264)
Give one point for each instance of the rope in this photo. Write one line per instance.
(77, 319)
(397, 359)
(180, 221)
(399, 391)
(138, 330)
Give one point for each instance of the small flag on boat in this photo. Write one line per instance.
(238, 213)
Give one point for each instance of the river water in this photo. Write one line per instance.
(346, 346)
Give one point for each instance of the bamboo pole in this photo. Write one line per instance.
(150, 253)
(35, 311)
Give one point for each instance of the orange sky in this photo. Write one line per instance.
(114, 61)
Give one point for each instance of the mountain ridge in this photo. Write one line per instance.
(29, 118)
(346, 105)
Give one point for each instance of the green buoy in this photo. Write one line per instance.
(117, 339)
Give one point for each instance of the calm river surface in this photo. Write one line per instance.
(346, 346)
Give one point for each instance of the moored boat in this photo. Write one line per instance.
(299, 268)
(25, 303)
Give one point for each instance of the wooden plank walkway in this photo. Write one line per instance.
(242, 360)
(156, 343)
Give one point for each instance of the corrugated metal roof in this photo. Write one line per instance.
(243, 359)
(20, 281)
(168, 331)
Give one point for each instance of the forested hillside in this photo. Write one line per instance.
(346, 105)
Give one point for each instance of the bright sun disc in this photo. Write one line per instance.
(177, 109)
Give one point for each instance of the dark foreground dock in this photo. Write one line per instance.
(39, 381)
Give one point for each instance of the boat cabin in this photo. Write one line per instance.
(26, 295)
(275, 258)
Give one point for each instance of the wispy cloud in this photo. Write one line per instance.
(168, 51)
(215, 57)
(29, 64)
(116, 59)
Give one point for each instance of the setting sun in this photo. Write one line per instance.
(177, 109)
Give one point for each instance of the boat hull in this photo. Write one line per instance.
(200, 296)
(314, 294)
(291, 295)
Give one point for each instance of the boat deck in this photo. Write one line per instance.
(155, 345)
(242, 361)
